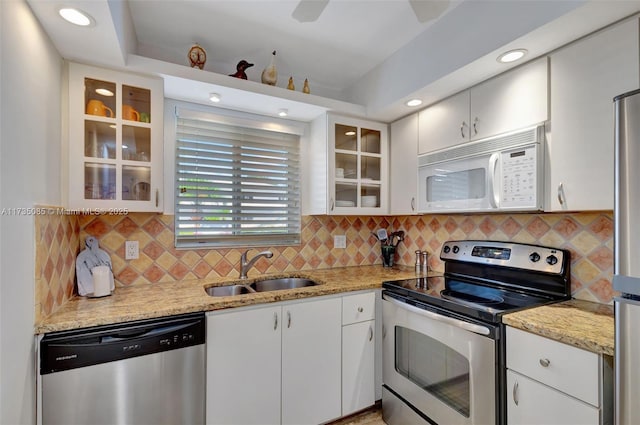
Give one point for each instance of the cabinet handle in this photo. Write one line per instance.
(157, 197)
(275, 321)
(475, 126)
(560, 192)
(544, 362)
(515, 393)
(384, 332)
(462, 126)
(360, 309)
(331, 205)
(288, 319)
(370, 333)
(413, 204)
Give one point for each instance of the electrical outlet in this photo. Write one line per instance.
(131, 250)
(340, 241)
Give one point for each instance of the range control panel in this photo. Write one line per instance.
(507, 254)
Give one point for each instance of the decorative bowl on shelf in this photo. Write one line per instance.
(369, 201)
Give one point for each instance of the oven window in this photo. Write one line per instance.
(445, 185)
(434, 367)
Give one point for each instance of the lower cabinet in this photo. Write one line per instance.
(275, 365)
(549, 382)
(358, 352)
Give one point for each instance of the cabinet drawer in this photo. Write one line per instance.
(530, 402)
(569, 369)
(358, 308)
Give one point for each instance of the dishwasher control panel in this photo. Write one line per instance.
(85, 347)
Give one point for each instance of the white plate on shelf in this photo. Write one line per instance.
(345, 203)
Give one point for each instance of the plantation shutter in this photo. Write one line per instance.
(235, 185)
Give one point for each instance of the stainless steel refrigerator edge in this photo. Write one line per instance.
(626, 277)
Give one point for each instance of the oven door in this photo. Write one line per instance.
(439, 365)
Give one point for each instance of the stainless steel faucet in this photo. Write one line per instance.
(246, 265)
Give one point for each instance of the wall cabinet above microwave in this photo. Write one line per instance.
(510, 101)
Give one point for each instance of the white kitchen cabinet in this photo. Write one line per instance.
(311, 358)
(244, 366)
(358, 352)
(585, 77)
(403, 166)
(346, 168)
(444, 124)
(513, 100)
(574, 386)
(115, 152)
(276, 364)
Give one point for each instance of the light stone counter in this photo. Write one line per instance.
(166, 299)
(582, 324)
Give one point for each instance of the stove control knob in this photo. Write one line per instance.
(535, 257)
(456, 249)
(446, 249)
(552, 259)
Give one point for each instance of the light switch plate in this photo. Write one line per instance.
(131, 250)
(340, 241)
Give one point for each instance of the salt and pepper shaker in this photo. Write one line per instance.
(422, 263)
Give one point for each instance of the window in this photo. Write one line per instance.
(236, 184)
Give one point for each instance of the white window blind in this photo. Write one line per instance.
(236, 186)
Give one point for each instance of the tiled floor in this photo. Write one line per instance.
(368, 417)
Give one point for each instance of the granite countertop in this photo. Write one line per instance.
(583, 324)
(166, 299)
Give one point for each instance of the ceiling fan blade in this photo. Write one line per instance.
(309, 10)
(427, 10)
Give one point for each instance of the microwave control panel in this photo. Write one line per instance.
(519, 178)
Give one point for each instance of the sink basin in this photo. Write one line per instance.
(282, 283)
(225, 291)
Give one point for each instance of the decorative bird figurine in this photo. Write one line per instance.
(305, 88)
(197, 56)
(240, 68)
(270, 74)
(290, 86)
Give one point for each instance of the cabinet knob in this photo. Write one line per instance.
(275, 321)
(288, 319)
(331, 204)
(462, 126)
(514, 393)
(370, 333)
(360, 309)
(544, 362)
(157, 197)
(413, 204)
(475, 126)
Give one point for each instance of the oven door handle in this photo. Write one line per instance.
(471, 327)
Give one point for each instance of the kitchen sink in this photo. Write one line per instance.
(260, 286)
(225, 291)
(282, 283)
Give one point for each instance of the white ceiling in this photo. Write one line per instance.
(374, 54)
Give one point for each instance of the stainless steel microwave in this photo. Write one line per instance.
(501, 173)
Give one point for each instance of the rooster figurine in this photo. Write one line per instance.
(270, 74)
(240, 68)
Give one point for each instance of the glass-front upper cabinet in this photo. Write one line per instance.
(115, 140)
(358, 175)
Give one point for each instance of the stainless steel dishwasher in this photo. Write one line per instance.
(143, 372)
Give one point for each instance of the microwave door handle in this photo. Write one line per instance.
(440, 318)
(493, 166)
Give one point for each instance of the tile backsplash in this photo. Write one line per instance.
(589, 237)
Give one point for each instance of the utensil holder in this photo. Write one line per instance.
(388, 255)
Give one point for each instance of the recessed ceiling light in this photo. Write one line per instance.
(75, 16)
(350, 133)
(104, 92)
(512, 55)
(215, 97)
(283, 112)
(414, 102)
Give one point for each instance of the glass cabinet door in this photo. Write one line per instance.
(115, 140)
(358, 166)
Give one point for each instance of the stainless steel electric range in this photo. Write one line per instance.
(443, 337)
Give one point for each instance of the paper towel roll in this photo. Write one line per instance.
(101, 281)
